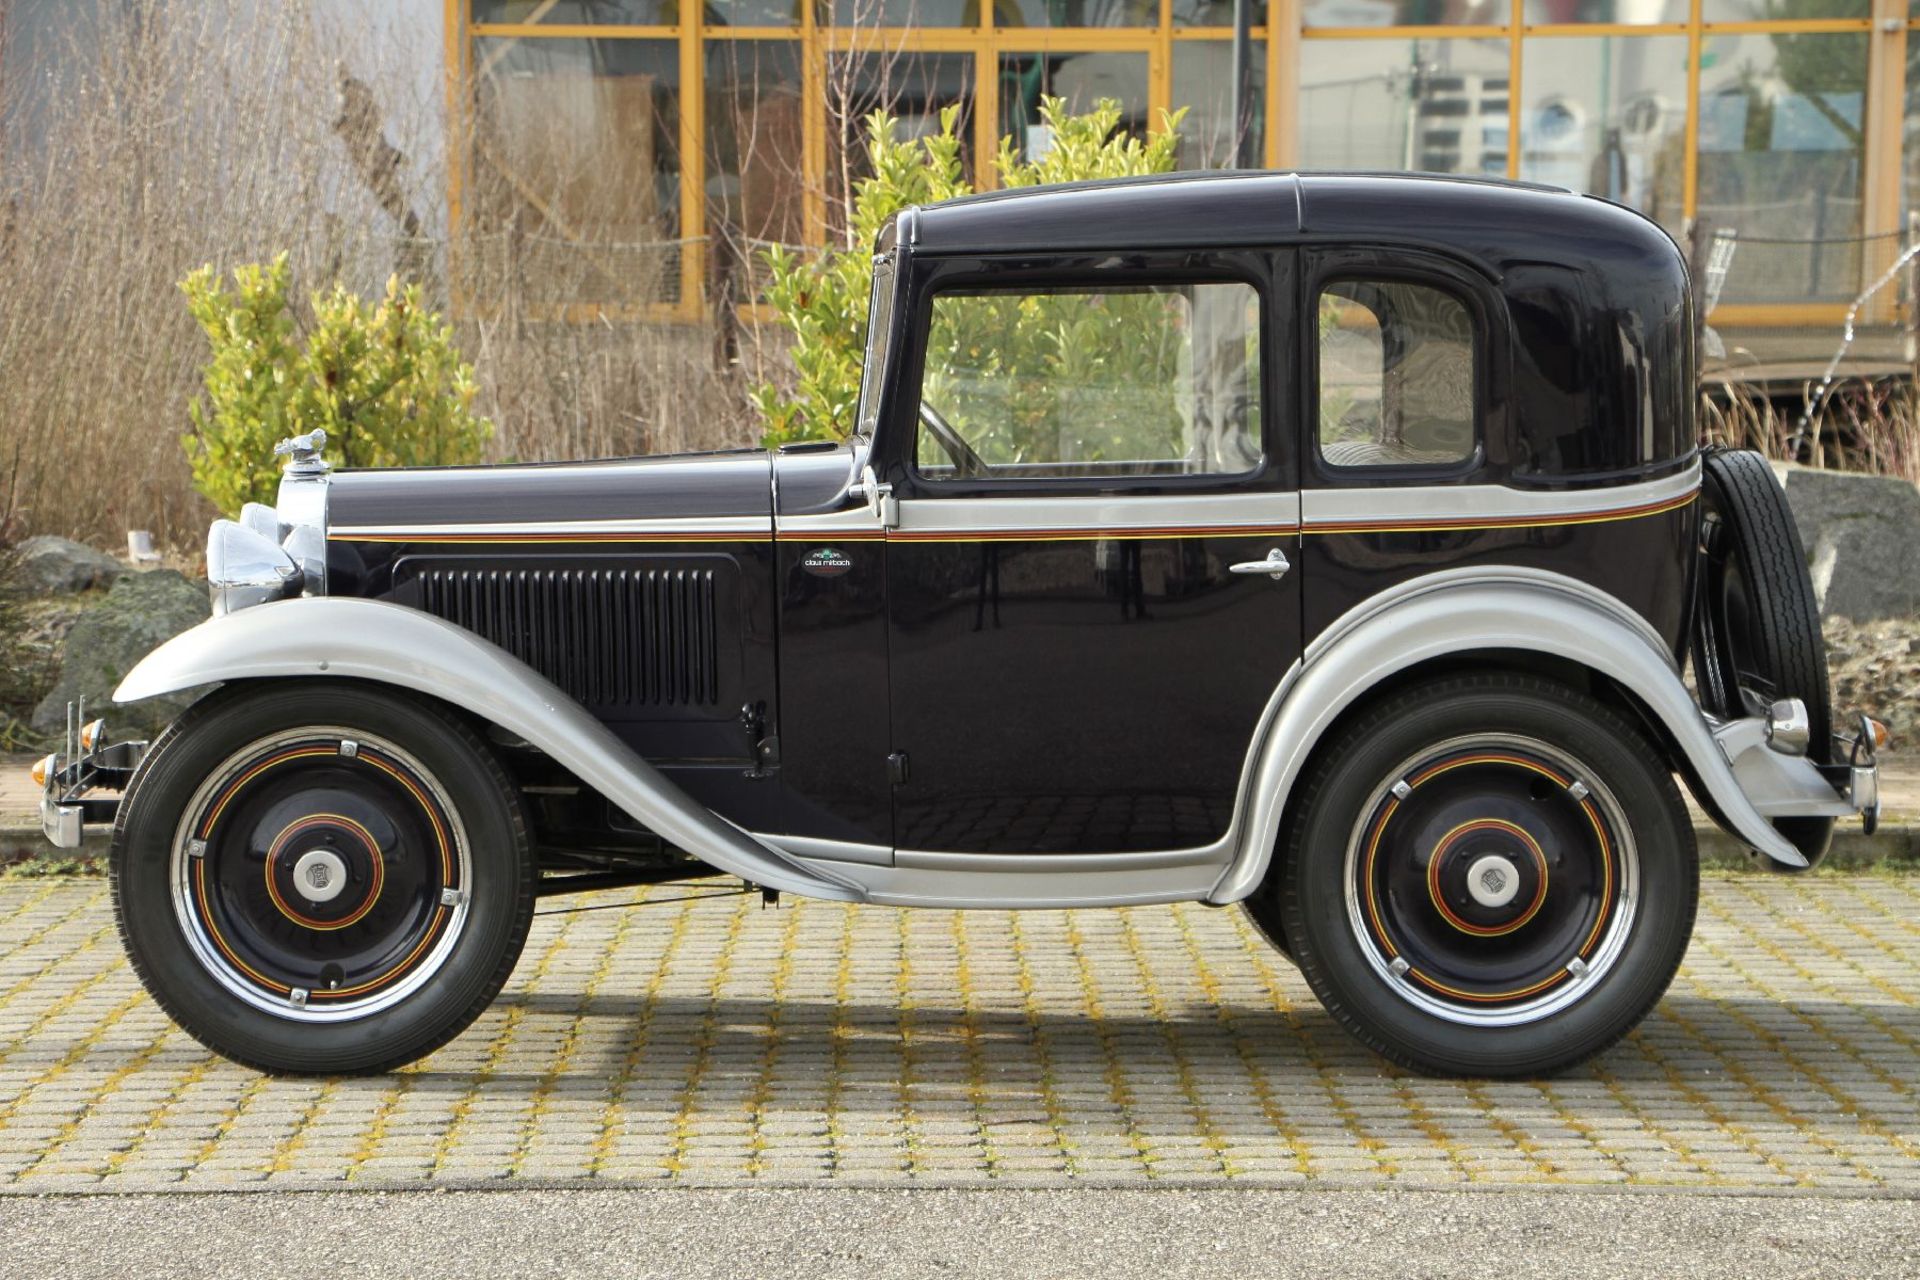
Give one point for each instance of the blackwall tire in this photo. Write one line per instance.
(1566, 810)
(1758, 623)
(321, 878)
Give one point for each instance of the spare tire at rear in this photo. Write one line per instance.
(1756, 633)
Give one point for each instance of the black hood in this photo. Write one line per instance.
(672, 486)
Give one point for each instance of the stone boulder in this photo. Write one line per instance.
(140, 611)
(1861, 535)
(57, 566)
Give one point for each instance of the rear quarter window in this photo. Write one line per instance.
(1396, 384)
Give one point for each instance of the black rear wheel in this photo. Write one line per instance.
(321, 878)
(1487, 876)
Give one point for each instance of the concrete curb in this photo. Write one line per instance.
(1895, 845)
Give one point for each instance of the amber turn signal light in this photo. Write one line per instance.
(40, 769)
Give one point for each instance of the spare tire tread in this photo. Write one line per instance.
(1788, 638)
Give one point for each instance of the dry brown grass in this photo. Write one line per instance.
(1860, 426)
(220, 132)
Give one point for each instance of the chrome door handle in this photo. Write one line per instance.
(1275, 566)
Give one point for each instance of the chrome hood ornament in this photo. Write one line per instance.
(304, 451)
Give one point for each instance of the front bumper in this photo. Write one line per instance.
(67, 807)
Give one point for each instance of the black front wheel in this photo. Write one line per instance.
(1487, 876)
(321, 878)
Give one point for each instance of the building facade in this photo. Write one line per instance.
(620, 147)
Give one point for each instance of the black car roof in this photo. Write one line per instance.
(1247, 207)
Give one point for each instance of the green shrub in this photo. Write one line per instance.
(383, 378)
(822, 298)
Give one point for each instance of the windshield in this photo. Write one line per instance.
(879, 327)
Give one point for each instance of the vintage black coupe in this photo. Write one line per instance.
(1335, 546)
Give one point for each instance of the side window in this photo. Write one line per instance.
(1046, 383)
(1396, 375)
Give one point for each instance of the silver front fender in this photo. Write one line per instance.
(1468, 611)
(352, 639)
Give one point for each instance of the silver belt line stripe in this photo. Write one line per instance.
(1097, 514)
(743, 525)
(1310, 508)
(1485, 502)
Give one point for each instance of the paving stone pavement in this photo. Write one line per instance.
(713, 1042)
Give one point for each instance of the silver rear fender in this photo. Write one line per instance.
(1462, 612)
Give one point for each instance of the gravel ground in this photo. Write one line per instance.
(1875, 667)
(1115, 1235)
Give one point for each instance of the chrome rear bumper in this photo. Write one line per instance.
(1769, 760)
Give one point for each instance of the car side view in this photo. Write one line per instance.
(1336, 546)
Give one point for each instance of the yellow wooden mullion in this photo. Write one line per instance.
(1434, 31)
(1000, 39)
(1283, 83)
(1160, 72)
(1604, 29)
(1799, 27)
(986, 101)
(571, 31)
(986, 118)
(1884, 124)
(693, 169)
(459, 133)
(1690, 158)
(813, 128)
(1514, 53)
(1780, 314)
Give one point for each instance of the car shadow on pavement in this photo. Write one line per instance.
(1825, 1054)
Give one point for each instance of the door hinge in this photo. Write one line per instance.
(898, 768)
(764, 745)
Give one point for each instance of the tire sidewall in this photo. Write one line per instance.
(498, 908)
(1334, 961)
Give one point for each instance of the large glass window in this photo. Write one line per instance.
(914, 88)
(1782, 10)
(1782, 154)
(1433, 105)
(1079, 13)
(1406, 13)
(1083, 79)
(1635, 12)
(605, 13)
(908, 13)
(756, 184)
(1216, 13)
(574, 188)
(1203, 83)
(755, 13)
(1092, 382)
(1608, 114)
(1396, 374)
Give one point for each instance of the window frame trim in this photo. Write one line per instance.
(1398, 264)
(1255, 267)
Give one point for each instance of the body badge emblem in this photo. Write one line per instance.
(826, 562)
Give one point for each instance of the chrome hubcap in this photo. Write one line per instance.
(1490, 879)
(321, 874)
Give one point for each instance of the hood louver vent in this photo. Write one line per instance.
(612, 638)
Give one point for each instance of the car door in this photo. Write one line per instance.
(1090, 600)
